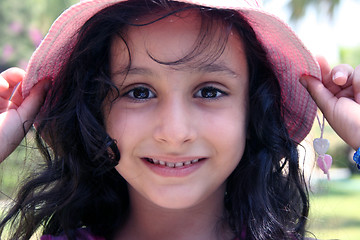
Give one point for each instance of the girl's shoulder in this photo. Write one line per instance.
(82, 233)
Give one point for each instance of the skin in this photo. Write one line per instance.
(17, 114)
(338, 97)
(175, 123)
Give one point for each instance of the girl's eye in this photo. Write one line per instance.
(140, 93)
(209, 92)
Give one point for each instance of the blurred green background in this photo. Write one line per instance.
(23, 24)
(335, 208)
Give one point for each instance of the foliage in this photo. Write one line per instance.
(17, 166)
(299, 7)
(350, 55)
(23, 25)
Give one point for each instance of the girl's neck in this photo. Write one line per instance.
(150, 222)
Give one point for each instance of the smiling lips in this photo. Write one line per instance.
(174, 167)
(173, 164)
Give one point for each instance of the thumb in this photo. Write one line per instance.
(323, 98)
(33, 102)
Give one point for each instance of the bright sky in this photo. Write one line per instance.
(320, 34)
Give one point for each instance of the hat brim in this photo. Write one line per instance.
(288, 55)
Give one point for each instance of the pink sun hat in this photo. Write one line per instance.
(288, 55)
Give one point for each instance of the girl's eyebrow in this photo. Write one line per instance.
(204, 68)
(217, 68)
(140, 71)
(133, 71)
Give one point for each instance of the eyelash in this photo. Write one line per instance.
(148, 94)
(219, 93)
(131, 92)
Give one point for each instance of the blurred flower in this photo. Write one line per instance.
(8, 51)
(35, 36)
(16, 27)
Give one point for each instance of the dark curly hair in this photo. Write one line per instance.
(77, 184)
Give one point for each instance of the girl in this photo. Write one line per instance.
(169, 120)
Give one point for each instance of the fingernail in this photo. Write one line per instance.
(338, 75)
(303, 82)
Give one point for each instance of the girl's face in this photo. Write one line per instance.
(180, 130)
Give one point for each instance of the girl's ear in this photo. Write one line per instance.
(113, 150)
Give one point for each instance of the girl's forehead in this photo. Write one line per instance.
(179, 26)
(176, 36)
(168, 16)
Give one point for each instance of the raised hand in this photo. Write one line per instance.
(16, 113)
(338, 97)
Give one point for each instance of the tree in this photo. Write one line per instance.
(299, 7)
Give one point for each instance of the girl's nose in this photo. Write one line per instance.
(175, 123)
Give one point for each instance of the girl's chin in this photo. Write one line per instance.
(174, 201)
(182, 197)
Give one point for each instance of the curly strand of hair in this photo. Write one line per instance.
(267, 194)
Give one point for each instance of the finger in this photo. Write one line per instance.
(323, 98)
(324, 67)
(5, 90)
(9, 79)
(4, 85)
(326, 75)
(341, 75)
(32, 103)
(16, 97)
(346, 92)
(13, 76)
(356, 84)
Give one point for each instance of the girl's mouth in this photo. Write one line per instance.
(173, 164)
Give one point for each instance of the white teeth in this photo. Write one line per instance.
(172, 165)
(179, 164)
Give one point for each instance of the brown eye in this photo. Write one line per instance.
(140, 93)
(209, 92)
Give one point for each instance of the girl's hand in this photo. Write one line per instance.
(16, 113)
(338, 97)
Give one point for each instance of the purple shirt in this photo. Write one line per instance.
(82, 234)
